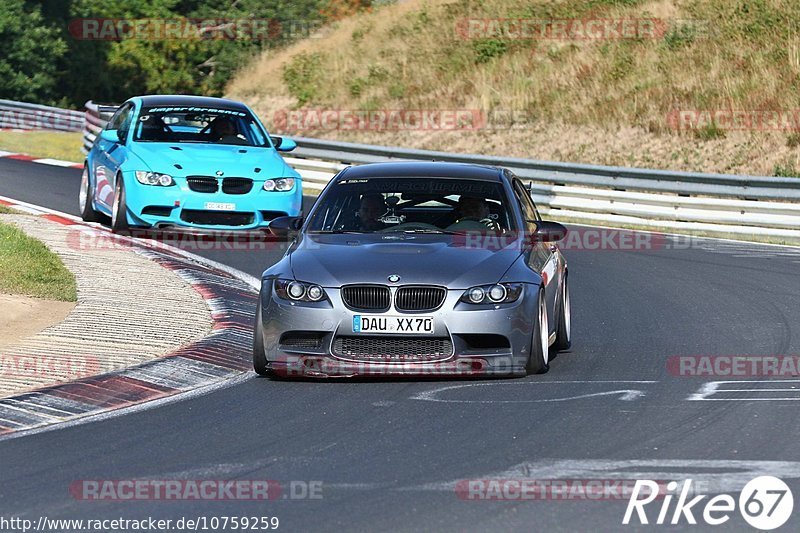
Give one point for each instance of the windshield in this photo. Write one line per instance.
(414, 205)
(199, 125)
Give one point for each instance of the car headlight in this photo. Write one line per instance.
(499, 293)
(279, 185)
(154, 178)
(299, 291)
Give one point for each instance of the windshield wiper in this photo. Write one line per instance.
(439, 231)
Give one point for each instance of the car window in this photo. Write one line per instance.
(257, 134)
(419, 204)
(120, 121)
(182, 124)
(120, 118)
(529, 210)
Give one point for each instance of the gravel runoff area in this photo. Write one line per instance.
(130, 310)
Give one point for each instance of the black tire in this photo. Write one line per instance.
(119, 213)
(564, 331)
(88, 214)
(259, 357)
(539, 354)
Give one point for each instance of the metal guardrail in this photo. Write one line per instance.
(667, 200)
(97, 116)
(24, 116)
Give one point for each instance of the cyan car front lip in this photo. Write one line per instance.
(171, 202)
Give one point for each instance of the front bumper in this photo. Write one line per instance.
(179, 206)
(508, 327)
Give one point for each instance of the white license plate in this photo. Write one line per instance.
(220, 206)
(417, 325)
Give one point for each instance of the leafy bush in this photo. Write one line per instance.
(787, 170)
(302, 77)
(709, 132)
(42, 61)
(32, 48)
(487, 49)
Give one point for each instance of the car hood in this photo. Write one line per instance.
(207, 159)
(336, 260)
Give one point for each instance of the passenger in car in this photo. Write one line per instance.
(476, 209)
(371, 208)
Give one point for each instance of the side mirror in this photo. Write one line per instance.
(283, 144)
(281, 227)
(547, 231)
(109, 136)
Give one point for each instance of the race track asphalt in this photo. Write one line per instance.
(389, 453)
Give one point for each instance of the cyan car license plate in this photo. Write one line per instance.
(220, 206)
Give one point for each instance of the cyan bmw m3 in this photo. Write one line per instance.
(415, 269)
(188, 161)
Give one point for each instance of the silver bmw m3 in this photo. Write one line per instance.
(415, 269)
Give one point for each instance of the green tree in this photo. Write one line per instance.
(113, 70)
(31, 51)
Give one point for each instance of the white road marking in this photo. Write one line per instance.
(55, 162)
(730, 475)
(625, 394)
(713, 387)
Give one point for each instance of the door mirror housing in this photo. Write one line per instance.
(548, 231)
(283, 144)
(110, 136)
(282, 227)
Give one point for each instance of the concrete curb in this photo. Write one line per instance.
(222, 354)
(129, 310)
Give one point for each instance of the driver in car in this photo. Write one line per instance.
(476, 209)
(370, 211)
(223, 130)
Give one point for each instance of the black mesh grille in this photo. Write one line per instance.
(302, 339)
(419, 298)
(393, 348)
(370, 297)
(217, 218)
(202, 184)
(237, 185)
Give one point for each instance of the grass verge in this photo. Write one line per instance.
(29, 268)
(644, 101)
(51, 144)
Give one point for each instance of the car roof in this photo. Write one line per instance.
(159, 100)
(423, 169)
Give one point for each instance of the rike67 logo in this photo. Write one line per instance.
(765, 503)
